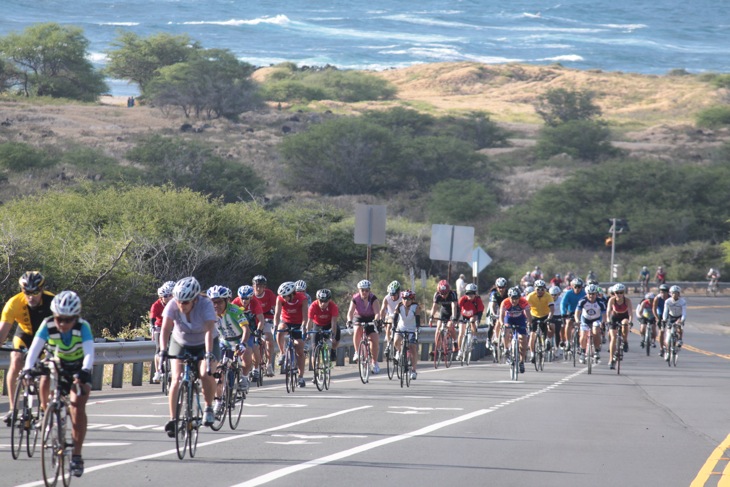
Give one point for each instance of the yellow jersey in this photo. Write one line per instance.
(539, 306)
(29, 319)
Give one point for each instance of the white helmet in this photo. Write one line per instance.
(500, 282)
(619, 288)
(186, 289)
(555, 291)
(66, 303)
(286, 288)
(300, 286)
(528, 290)
(675, 289)
(217, 292)
(649, 296)
(364, 284)
(592, 289)
(166, 289)
(471, 288)
(245, 292)
(540, 283)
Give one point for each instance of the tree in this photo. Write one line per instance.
(560, 105)
(138, 60)
(214, 84)
(51, 61)
(588, 140)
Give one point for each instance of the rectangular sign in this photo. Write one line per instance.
(452, 243)
(370, 224)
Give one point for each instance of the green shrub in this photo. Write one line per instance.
(714, 117)
(581, 139)
(291, 90)
(561, 105)
(456, 201)
(19, 157)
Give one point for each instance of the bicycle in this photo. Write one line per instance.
(322, 359)
(618, 354)
(57, 442)
(514, 355)
(672, 347)
(166, 377)
(467, 343)
(590, 351)
(188, 411)
(260, 368)
(27, 414)
(443, 346)
(712, 288)
(289, 366)
(232, 397)
(573, 344)
(648, 334)
(364, 354)
(405, 361)
(539, 349)
(391, 364)
(498, 349)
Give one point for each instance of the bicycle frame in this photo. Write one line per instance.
(189, 412)
(405, 361)
(364, 352)
(322, 358)
(57, 441)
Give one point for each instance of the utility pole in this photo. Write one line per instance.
(613, 248)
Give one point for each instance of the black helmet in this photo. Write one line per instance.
(32, 281)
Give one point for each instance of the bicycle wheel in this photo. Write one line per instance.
(462, 350)
(195, 413)
(363, 362)
(675, 355)
(294, 370)
(647, 339)
(34, 411)
(235, 399)
(51, 447)
(18, 419)
(220, 411)
(65, 433)
(327, 368)
(540, 353)
(182, 420)
(469, 347)
(575, 345)
(166, 377)
(498, 352)
(448, 350)
(402, 362)
(390, 363)
(319, 367)
(407, 369)
(589, 354)
(515, 365)
(670, 349)
(619, 353)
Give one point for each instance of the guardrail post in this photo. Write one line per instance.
(117, 376)
(137, 373)
(97, 377)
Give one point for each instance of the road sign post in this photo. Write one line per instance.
(451, 243)
(369, 229)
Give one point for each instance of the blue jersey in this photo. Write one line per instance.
(570, 301)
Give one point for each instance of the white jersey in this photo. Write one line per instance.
(390, 306)
(407, 318)
(675, 308)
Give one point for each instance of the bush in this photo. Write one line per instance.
(560, 105)
(19, 157)
(456, 202)
(714, 117)
(581, 139)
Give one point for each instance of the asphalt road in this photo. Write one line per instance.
(651, 425)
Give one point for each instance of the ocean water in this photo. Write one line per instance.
(612, 35)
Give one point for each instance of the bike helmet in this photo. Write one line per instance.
(649, 296)
(528, 290)
(324, 294)
(619, 288)
(443, 286)
(364, 284)
(555, 291)
(663, 287)
(408, 294)
(592, 281)
(31, 281)
(592, 289)
(245, 292)
(300, 286)
(66, 303)
(514, 292)
(675, 289)
(219, 292)
(540, 283)
(286, 289)
(471, 288)
(259, 279)
(500, 282)
(577, 282)
(165, 291)
(186, 289)
(394, 288)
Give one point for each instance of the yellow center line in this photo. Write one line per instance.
(708, 468)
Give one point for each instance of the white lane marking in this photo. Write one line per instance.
(316, 437)
(405, 412)
(209, 443)
(294, 442)
(425, 408)
(277, 474)
(98, 443)
(127, 415)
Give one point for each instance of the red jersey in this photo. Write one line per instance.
(323, 317)
(254, 306)
(156, 313)
(291, 311)
(469, 308)
(268, 303)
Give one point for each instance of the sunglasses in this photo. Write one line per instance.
(34, 293)
(64, 319)
(471, 294)
(592, 294)
(323, 300)
(618, 292)
(185, 302)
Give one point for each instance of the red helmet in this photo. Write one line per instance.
(443, 286)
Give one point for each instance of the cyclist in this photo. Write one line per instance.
(556, 281)
(234, 336)
(471, 309)
(407, 319)
(713, 275)
(536, 274)
(658, 311)
(590, 277)
(69, 338)
(323, 314)
(541, 308)
(28, 309)
(644, 279)
(675, 311)
(387, 309)
(527, 280)
(619, 309)
(558, 319)
(364, 308)
(267, 299)
(571, 297)
(589, 313)
(646, 318)
(660, 275)
(300, 286)
(289, 315)
(191, 318)
(164, 294)
(496, 295)
(255, 316)
(515, 311)
(446, 303)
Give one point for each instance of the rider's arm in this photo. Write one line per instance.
(209, 326)
(5, 327)
(351, 311)
(684, 311)
(550, 314)
(277, 313)
(39, 341)
(167, 325)
(376, 308)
